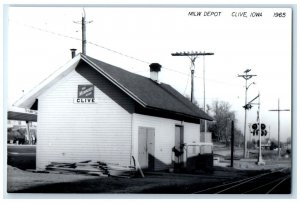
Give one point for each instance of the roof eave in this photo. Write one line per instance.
(179, 113)
(27, 100)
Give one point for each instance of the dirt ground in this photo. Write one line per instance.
(20, 181)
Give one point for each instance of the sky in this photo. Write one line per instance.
(40, 39)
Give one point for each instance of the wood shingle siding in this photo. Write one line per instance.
(70, 132)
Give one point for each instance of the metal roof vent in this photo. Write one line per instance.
(73, 51)
(154, 70)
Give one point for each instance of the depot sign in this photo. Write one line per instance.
(85, 94)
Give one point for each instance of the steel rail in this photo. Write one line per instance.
(248, 181)
(245, 180)
(234, 186)
(278, 179)
(278, 184)
(215, 187)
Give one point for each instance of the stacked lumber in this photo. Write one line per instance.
(92, 168)
(121, 171)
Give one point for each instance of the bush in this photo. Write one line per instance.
(273, 145)
(16, 135)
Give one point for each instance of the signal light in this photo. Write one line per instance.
(264, 133)
(254, 126)
(247, 106)
(256, 132)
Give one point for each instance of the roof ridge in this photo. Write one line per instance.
(116, 67)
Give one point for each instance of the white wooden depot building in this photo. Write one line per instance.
(91, 110)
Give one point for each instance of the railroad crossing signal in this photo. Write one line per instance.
(263, 132)
(255, 129)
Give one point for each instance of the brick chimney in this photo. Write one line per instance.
(154, 71)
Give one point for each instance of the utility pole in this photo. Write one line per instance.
(270, 133)
(246, 76)
(278, 110)
(260, 160)
(83, 30)
(193, 56)
(83, 27)
(204, 104)
(249, 106)
(232, 143)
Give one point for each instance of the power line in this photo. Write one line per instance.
(44, 30)
(78, 39)
(117, 52)
(186, 85)
(120, 53)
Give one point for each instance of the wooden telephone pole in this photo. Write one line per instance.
(193, 56)
(278, 110)
(83, 23)
(246, 76)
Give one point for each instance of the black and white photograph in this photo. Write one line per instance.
(149, 99)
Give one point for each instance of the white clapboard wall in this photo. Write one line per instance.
(69, 131)
(164, 136)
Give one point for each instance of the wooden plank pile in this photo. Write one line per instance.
(121, 171)
(92, 168)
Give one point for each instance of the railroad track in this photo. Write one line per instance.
(275, 182)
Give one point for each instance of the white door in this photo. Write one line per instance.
(146, 148)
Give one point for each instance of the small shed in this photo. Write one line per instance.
(91, 110)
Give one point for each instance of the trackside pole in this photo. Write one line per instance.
(232, 142)
(278, 110)
(260, 160)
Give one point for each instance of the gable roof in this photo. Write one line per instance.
(147, 92)
(143, 90)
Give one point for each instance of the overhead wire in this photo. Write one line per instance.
(186, 85)
(117, 52)
(120, 53)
